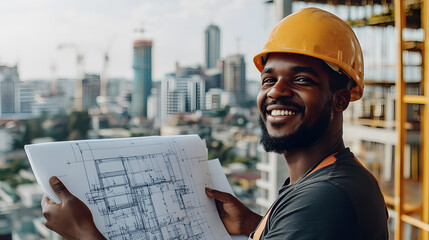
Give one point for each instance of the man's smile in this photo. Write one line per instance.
(278, 112)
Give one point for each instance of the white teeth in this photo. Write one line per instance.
(282, 113)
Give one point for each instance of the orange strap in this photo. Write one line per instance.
(328, 161)
(261, 226)
(258, 233)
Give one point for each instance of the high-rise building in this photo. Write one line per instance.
(214, 78)
(214, 98)
(234, 78)
(16, 97)
(9, 88)
(26, 97)
(154, 104)
(142, 65)
(217, 98)
(212, 46)
(181, 94)
(90, 90)
(274, 171)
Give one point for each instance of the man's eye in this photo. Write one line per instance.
(303, 80)
(268, 80)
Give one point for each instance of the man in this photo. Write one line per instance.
(311, 68)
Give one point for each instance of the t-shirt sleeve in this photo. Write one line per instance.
(318, 211)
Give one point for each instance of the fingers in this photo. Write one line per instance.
(46, 207)
(59, 188)
(220, 196)
(45, 201)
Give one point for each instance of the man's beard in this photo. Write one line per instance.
(303, 137)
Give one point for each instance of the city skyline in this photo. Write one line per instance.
(176, 28)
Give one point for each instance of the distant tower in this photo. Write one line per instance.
(16, 97)
(234, 78)
(212, 46)
(79, 76)
(9, 90)
(142, 65)
(90, 87)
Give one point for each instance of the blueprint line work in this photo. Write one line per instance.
(142, 188)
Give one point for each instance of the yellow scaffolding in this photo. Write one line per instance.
(421, 222)
(400, 121)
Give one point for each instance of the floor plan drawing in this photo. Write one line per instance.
(143, 189)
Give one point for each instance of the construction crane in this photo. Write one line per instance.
(103, 99)
(79, 73)
(103, 76)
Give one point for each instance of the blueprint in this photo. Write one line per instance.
(136, 188)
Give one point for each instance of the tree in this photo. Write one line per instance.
(214, 148)
(227, 155)
(79, 125)
(33, 129)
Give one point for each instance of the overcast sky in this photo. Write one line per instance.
(31, 30)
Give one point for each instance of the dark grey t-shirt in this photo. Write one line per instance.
(340, 201)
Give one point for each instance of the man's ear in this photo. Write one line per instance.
(341, 100)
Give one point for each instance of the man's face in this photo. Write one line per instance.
(294, 102)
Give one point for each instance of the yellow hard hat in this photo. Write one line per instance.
(320, 34)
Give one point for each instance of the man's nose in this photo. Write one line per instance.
(280, 89)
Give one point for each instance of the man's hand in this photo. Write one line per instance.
(71, 218)
(237, 218)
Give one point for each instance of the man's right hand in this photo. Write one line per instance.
(71, 218)
(237, 218)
